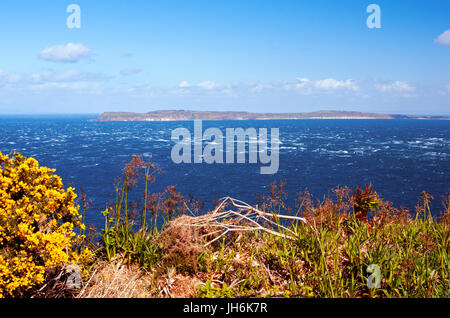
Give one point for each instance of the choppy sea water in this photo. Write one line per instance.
(400, 157)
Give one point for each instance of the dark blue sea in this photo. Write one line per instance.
(400, 158)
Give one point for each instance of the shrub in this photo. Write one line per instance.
(37, 222)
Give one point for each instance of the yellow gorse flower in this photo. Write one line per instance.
(37, 221)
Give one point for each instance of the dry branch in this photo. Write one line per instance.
(239, 217)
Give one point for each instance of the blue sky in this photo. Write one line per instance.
(252, 55)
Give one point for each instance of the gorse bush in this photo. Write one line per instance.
(37, 222)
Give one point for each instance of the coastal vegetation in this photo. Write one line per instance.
(38, 219)
(350, 244)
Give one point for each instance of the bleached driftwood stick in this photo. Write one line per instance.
(244, 218)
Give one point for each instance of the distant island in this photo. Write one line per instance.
(188, 115)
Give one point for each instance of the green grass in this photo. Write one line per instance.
(329, 256)
(329, 263)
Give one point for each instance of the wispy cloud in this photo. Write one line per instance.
(130, 71)
(333, 84)
(328, 85)
(65, 53)
(444, 38)
(99, 87)
(68, 79)
(259, 88)
(396, 87)
(184, 84)
(205, 87)
(69, 76)
(209, 85)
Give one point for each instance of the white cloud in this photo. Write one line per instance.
(66, 53)
(333, 84)
(396, 87)
(300, 85)
(7, 78)
(444, 38)
(130, 71)
(71, 79)
(304, 84)
(443, 91)
(75, 86)
(184, 84)
(209, 88)
(208, 85)
(68, 76)
(307, 86)
(258, 88)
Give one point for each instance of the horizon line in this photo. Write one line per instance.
(229, 111)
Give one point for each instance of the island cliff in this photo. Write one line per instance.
(188, 115)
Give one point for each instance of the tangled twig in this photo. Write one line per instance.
(243, 218)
